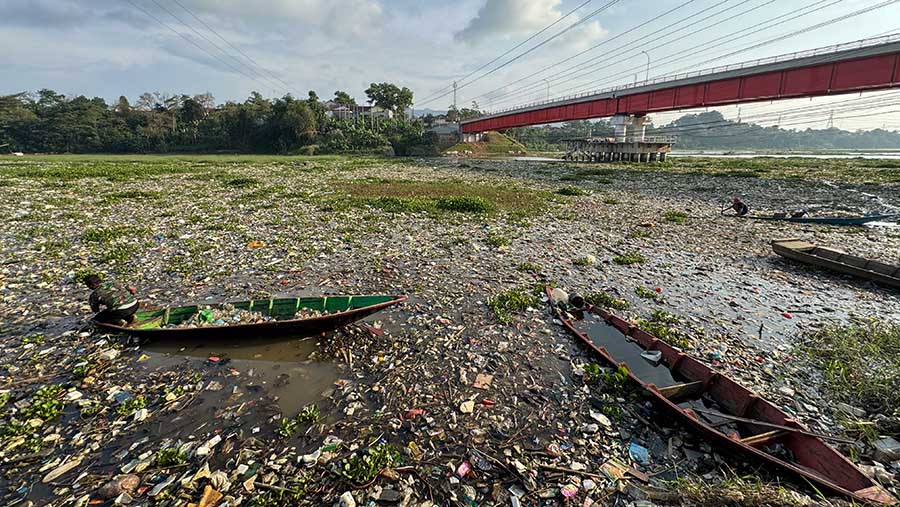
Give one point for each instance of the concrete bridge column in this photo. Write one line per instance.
(620, 123)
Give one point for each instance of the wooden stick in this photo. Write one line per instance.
(570, 471)
(775, 426)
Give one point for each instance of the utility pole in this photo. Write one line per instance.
(548, 87)
(454, 95)
(647, 76)
(830, 120)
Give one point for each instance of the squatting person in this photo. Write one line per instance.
(120, 302)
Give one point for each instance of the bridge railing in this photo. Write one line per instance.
(859, 44)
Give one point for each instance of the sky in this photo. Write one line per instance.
(229, 48)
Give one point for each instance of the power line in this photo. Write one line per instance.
(535, 47)
(606, 41)
(213, 44)
(198, 46)
(226, 41)
(691, 51)
(508, 51)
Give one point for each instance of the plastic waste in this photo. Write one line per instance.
(639, 453)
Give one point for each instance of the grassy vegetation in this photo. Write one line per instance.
(639, 233)
(106, 235)
(497, 240)
(859, 171)
(528, 267)
(495, 144)
(860, 363)
(514, 300)
(734, 491)
(645, 293)
(442, 196)
(571, 191)
(676, 217)
(629, 258)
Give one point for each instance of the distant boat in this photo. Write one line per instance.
(826, 220)
(336, 311)
(836, 260)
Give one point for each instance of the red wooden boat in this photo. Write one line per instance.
(687, 388)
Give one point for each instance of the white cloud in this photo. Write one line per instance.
(347, 17)
(505, 18)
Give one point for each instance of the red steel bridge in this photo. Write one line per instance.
(871, 64)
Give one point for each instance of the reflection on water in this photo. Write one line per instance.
(624, 351)
(285, 367)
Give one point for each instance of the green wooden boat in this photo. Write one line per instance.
(338, 311)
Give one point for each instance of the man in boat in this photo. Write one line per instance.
(120, 302)
(739, 207)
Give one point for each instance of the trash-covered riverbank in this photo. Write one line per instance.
(437, 401)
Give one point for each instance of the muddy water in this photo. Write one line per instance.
(287, 369)
(624, 351)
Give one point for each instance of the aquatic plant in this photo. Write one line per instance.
(131, 406)
(603, 299)
(645, 293)
(170, 456)
(310, 413)
(629, 258)
(513, 300)
(592, 372)
(37, 339)
(365, 466)
(665, 333)
(45, 403)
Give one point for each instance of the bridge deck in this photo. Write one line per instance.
(860, 66)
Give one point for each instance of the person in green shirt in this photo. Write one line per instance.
(120, 302)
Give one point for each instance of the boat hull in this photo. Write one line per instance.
(271, 329)
(828, 220)
(837, 261)
(737, 400)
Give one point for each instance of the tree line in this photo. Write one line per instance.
(49, 122)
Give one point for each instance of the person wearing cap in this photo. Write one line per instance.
(120, 302)
(739, 207)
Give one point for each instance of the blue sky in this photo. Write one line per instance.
(111, 47)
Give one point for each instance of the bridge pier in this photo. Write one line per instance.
(648, 150)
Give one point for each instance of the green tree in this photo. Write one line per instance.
(344, 99)
(319, 111)
(390, 97)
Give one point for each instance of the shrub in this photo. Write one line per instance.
(465, 204)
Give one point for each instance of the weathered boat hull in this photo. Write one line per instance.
(838, 261)
(346, 310)
(828, 220)
(815, 461)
